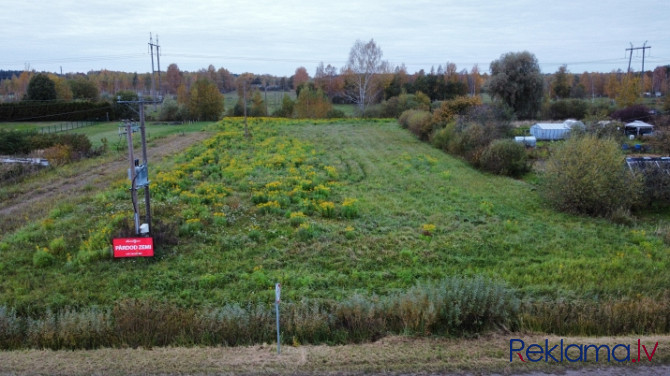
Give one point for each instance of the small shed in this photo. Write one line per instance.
(554, 131)
(638, 128)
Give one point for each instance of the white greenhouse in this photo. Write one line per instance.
(554, 131)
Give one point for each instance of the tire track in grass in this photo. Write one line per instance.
(39, 196)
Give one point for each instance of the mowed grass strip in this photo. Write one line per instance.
(420, 215)
(391, 355)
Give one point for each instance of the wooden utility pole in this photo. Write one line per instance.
(631, 49)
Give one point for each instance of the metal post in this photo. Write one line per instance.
(277, 294)
(133, 191)
(147, 203)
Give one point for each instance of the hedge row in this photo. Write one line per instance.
(55, 111)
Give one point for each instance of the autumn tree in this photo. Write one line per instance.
(312, 104)
(300, 77)
(560, 83)
(173, 78)
(258, 108)
(21, 85)
(326, 79)
(83, 88)
(206, 102)
(516, 80)
(63, 91)
(364, 64)
(476, 78)
(183, 94)
(612, 84)
(629, 91)
(41, 88)
(225, 80)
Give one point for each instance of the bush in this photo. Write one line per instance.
(586, 175)
(448, 110)
(565, 109)
(395, 106)
(78, 143)
(58, 155)
(418, 122)
(335, 114)
(505, 157)
(17, 142)
(169, 110)
(443, 136)
(42, 258)
(632, 113)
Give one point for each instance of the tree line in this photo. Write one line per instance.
(365, 80)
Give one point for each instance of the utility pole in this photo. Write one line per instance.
(631, 49)
(158, 60)
(154, 93)
(138, 173)
(153, 72)
(643, 48)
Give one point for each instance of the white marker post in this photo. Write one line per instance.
(277, 298)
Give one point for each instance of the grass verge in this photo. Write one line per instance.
(391, 355)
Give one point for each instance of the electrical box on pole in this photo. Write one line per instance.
(138, 174)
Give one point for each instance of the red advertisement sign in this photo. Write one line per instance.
(133, 247)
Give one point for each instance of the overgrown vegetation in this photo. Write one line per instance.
(452, 306)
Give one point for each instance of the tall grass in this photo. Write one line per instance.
(452, 306)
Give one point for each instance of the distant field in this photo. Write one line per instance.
(274, 99)
(110, 130)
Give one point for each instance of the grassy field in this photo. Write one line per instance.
(329, 210)
(274, 99)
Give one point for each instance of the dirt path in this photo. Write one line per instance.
(40, 196)
(397, 355)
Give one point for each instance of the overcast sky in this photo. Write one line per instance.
(277, 36)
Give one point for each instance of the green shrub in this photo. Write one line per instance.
(505, 157)
(335, 114)
(443, 136)
(403, 119)
(587, 175)
(42, 258)
(420, 123)
(57, 245)
(395, 106)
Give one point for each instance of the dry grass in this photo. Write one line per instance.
(388, 356)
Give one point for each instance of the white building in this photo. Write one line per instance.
(554, 131)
